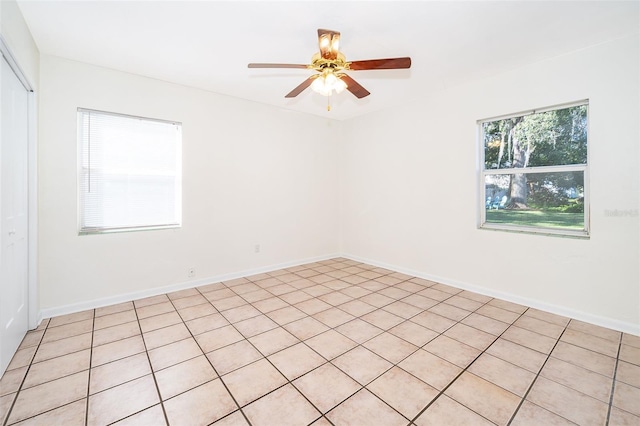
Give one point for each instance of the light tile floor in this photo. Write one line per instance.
(334, 342)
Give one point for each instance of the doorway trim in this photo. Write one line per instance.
(34, 314)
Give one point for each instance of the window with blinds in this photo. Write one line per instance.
(130, 175)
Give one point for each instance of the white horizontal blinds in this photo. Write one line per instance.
(130, 172)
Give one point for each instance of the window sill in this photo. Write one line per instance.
(552, 232)
(96, 231)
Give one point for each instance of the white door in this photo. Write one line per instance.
(14, 213)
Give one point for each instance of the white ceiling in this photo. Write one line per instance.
(207, 44)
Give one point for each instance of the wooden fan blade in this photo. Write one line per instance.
(381, 64)
(355, 87)
(329, 42)
(277, 66)
(295, 92)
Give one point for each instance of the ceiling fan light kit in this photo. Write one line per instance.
(330, 63)
(327, 82)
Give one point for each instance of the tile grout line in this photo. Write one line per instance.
(484, 351)
(6, 420)
(153, 374)
(196, 342)
(209, 361)
(444, 389)
(613, 382)
(251, 343)
(316, 298)
(360, 386)
(288, 382)
(360, 344)
(49, 359)
(524, 397)
(86, 408)
(376, 308)
(322, 415)
(477, 326)
(387, 331)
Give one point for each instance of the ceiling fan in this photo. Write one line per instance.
(331, 65)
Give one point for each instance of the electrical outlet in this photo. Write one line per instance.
(256, 248)
(191, 272)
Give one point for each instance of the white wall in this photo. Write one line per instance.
(398, 188)
(251, 175)
(15, 32)
(409, 189)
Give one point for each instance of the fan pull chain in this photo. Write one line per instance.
(329, 102)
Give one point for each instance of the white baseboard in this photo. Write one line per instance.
(611, 323)
(626, 327)
(126, 297)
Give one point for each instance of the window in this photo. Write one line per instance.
(130, 175)
(534, 171)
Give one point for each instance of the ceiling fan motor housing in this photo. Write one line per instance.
(330, 63)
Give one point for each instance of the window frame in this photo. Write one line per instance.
(84, 230)
(483, 173)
